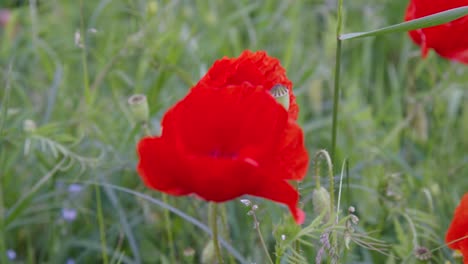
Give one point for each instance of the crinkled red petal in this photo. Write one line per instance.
(256, 68)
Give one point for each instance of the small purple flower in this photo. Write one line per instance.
(11, 254)
(70, 261)
(75, 188)
(69, 215)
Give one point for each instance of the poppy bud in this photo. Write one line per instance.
(139, 107)
(152, 8)
(29, 126)
(208, 254)
(281, 94)
(321, 201)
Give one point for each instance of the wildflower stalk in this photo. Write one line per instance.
(3, 113)
(213, 215)
(97, 190)
(84, 59)
(168, 226)
(102, 232)
(336, 94)
(297, 244)
(260, 236)
(226, 230)
(3, 256)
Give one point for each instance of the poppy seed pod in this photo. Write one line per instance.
(139, 107)
(281, 94)
(321, 201)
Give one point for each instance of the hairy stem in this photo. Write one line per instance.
(213, 217)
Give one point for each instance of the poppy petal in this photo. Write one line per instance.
(282, 192)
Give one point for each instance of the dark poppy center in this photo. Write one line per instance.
(223, 154)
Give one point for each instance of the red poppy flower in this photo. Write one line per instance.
(449, 40)
(223, 143)
(256, 68)
(459, 229)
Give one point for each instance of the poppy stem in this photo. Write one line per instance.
(336, 93)
(225, 225)
(168, 226)
(213, 214)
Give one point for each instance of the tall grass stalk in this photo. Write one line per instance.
(336, 94)
(88, 99)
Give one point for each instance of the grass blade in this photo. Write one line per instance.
(424, 22)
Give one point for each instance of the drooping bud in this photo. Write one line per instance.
(281, 94)
(139, 107)
(321, 201)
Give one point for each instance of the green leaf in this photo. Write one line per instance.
(424, 22)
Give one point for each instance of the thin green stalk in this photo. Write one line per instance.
(88, 100)
(297, 244)
(336, 98)
(226, 230)
(214, 229)
(3, 256)
(262, 241)
(336, 95)
(84, 59)
(102, 232)
(168, 227)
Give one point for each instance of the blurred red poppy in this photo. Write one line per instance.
(449, 40)
(256, 68)
(221, 144)
(459, 229)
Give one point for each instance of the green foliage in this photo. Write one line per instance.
(69, 66)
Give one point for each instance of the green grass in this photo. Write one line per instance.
(402, 126)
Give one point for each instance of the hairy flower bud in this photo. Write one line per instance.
(321, 201)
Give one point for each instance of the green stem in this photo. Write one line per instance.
(336, 94)
(102, 232)
(168, 226)
(84, 59)
(214, 228)
(297, 244)
(260, 236)
(226, 230)
(3, 256)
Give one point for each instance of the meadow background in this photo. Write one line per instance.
(68, 67)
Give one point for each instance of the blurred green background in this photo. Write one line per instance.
(68, 67)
